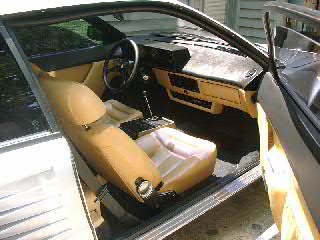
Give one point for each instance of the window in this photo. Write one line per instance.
(20, 113)
(297, 48)
(46, 39)
(136, 23)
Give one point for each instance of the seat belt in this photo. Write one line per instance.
(101, 191)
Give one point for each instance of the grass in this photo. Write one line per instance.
(39, 40)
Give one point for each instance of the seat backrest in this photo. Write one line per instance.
(113, 155)
(90, 74)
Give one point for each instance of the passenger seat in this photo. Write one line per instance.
(119, 113)
(166, 159)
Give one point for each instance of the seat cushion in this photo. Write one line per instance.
(119, 113)
(183, 160)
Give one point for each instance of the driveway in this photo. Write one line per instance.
(246, 216)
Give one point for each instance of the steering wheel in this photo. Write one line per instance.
(120, 67)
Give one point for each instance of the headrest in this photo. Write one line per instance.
(83, 105)
(71, 100)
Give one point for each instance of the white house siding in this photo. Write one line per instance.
(249, 21)
(215, 9)
(142, 21)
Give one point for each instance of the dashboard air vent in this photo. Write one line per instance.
(201, 103)
(184, 82)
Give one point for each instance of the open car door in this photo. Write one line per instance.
(289, 120)
(40, 195)
(40, 191)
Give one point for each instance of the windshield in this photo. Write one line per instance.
(141, 23)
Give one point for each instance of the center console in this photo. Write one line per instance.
(139, 127)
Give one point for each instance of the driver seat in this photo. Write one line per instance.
(117, 112)
(168, 159)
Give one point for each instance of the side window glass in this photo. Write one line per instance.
(53, 38)
(297, 48)
(20, 113)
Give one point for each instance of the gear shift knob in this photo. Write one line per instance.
(147, 101)
(145, 77)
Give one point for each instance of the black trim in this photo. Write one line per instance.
(268, 31)
(110, 34)
(255, 83)
(77, 57)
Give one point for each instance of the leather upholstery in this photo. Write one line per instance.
(87, 109)
(73, 110)
(178, 160)
(94, 79)
(91, 75)
(183, 160)
(107, 149)
(119, 113)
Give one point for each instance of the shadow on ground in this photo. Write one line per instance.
(246, 216)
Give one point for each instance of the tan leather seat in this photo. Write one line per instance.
(165, 156)
(183, 160)
(119, 113)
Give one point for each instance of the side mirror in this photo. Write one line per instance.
(94, 33)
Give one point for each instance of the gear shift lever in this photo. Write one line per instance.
(147, 101)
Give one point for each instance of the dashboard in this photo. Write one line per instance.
(205, 75)
(209, 58)
(202, 72)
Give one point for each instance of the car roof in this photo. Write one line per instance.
(13, 7)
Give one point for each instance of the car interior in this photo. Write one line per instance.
(159, 115)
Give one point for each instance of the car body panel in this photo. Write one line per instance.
(289, 166)
(40, 193)
(288, 129)
(287, 203)
(197, 206)
(304, 166)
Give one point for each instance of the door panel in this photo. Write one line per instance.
(89, 74)
(40, 192)
(290, 169)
